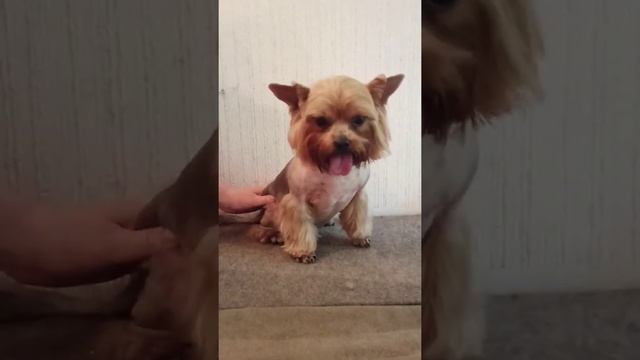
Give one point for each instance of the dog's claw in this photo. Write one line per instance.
(272, 238)
(307, 259)
(364, 243)
(276, 239)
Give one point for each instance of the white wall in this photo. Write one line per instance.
(556, 204)
(103, 98)
(264, 41)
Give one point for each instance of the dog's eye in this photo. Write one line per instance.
(322, 122)
(357, 121)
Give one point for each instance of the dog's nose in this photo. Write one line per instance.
(341, 144)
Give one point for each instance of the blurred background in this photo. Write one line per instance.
(556, 202)
(102, 99)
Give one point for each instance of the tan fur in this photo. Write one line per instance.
(337, 109)
(181, 295)
(481, 57)
(445, 275)
(297, 227)
(480, 60)
(356, 221)
(338, 99)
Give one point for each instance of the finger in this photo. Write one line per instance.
(250, 204)
(124, 212)
(257, 201)
(132, 246)
(264, 200)
(257, 190)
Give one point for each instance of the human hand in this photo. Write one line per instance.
(242, 199)
(64, 246)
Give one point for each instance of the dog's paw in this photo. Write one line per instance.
(273, 238)
(276, 239)
(266, 235)
(363, 243)
(306, 259)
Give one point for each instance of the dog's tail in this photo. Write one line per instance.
(246, 218)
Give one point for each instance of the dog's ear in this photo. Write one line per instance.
(293, 95)
(382, 87)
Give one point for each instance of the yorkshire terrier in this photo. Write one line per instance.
(479, 61)
(338, 126)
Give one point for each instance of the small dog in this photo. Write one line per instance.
(480, 58)
(338, 126)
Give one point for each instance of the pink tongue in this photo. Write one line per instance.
(341, 164)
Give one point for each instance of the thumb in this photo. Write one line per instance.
(261, 200)
(257, 189)
(139, 245)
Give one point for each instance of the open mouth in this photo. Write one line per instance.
(341, 164)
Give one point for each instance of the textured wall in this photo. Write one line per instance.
(103, 98)
(264, 41)
(556, 204)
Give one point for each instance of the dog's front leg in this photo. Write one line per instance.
(452, 314)
(355, 220)
(298, 229)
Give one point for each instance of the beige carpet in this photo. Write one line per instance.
(589, 326)
(388, 273)
(334, 332)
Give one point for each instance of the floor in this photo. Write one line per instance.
(254, 274)
(598, 326)
(321, 332)
(353, 303)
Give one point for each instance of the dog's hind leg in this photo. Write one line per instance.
(266, 231)
(266, 234)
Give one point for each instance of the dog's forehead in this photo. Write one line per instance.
(341, 93)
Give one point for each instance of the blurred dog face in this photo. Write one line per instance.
(479, 56)
(338, 122)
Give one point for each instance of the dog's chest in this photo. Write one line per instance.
(325, 194)
(447, 172)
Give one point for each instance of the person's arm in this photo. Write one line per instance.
(11, 210)
(238, 200)
(13, 214)
(70, 245)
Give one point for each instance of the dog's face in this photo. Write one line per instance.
(479, 56)
(338, 122)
